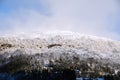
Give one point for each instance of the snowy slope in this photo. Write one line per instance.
(86, 46)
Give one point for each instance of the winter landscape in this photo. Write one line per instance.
(84, 56)
(59, 39)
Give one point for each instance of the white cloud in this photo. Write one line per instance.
(83, 16)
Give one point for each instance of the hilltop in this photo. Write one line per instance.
(58, 48)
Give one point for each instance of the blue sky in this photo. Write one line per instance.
(92, 17)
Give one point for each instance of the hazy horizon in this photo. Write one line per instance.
(90, 17)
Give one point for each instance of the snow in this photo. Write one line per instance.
(85, 45)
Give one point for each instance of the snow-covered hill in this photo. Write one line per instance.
(85, 46)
